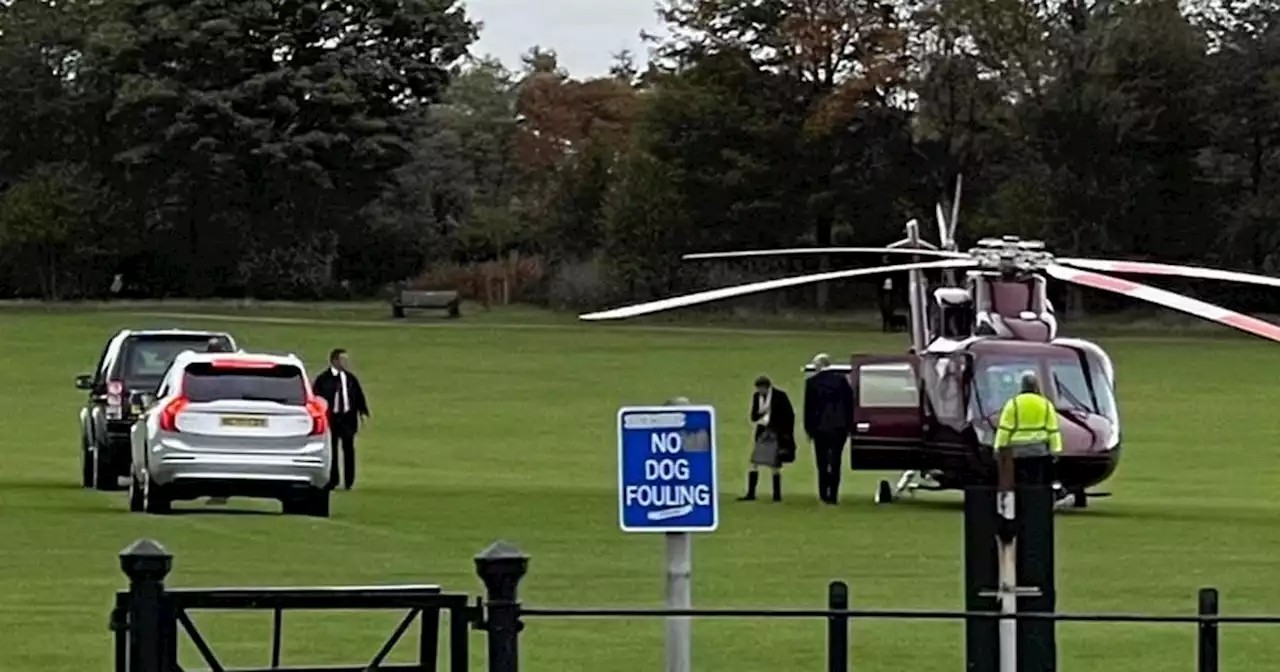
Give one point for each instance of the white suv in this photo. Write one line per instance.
(232, 425)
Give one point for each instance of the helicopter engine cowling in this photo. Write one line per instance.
(1015, 308)
(954, 313)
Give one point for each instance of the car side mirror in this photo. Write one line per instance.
(84, 382)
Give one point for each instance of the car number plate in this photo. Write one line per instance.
(232, 421)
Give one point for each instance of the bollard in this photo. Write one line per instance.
(501, 567)
(1207, 645)
(152, 630)
(838, 627)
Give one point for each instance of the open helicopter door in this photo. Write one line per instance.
(888, 426)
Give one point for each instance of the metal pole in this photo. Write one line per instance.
(152, 633)
(501, 567)
(916, 292)
(1008, 587)
(838, 627)
(679, 596)
(1208, 630)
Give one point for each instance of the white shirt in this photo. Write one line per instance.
(344, 400)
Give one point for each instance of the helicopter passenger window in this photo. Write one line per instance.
(887, 386)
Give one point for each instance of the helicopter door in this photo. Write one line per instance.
(888, 428)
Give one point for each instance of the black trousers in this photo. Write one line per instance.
(828, 451)
(342, 441)
(1033, 470)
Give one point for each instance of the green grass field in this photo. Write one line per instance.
(484, 430)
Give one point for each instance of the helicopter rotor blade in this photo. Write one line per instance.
(767, 285)
(779, 252)
(944, 227)
(1186, 304)
(1147, 268)
(954, 221)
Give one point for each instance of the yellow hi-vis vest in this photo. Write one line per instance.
(1028, 419)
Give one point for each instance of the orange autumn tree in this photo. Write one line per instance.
(843, 68)
(571, 132)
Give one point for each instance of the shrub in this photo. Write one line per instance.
(483, 281)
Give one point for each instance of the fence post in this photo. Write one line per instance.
(838, 627)
(501, 567)
(147, 563)
(1208, 631)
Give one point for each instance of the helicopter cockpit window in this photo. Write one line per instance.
(887, 386)
(1069, 385)
(1104, 387)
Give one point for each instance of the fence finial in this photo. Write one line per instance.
(146, 560)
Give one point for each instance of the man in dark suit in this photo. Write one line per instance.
(828, 417)
(347, 407)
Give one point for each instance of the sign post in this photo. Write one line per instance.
(667, 483)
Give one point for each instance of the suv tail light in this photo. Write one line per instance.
(115, 399)
(169, 414)
(319, 416)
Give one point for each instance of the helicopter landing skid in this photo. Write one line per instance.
(1073, 499)
(909, 482)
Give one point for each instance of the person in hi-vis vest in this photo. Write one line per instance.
(1028, 437)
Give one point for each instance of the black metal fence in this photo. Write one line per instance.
(147, 617)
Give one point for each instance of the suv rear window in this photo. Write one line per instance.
(281, 383)
(145, 360)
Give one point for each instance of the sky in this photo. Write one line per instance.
(583, 33)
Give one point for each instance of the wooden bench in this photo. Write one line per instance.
(425, 300)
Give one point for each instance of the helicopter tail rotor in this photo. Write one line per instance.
(1147, 268)
(1185, 304)
(767, 285)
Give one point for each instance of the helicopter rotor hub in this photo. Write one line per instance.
(1010, 255)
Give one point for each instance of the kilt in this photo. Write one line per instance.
(765, 453)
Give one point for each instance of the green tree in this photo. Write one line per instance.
(272, 125)
(47, 218)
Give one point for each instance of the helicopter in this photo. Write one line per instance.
(932, 412)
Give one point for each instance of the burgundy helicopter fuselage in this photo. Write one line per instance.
(938, 412)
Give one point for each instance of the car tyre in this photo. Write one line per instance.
(154, 499)
(104, 478)
(293, 506)
(318, 504)
(137, 502)
(86, 464)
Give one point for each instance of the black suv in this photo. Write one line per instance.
(132, 363)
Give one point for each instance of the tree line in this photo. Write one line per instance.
(305, 149)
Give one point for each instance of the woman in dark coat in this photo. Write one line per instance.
(775, 436)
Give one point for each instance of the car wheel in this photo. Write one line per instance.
(137, 503)
(103, 477)
(293, 506)
(318, 504)
(86, 463)
(154, 499)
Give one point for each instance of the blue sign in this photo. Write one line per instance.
(667, 469)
